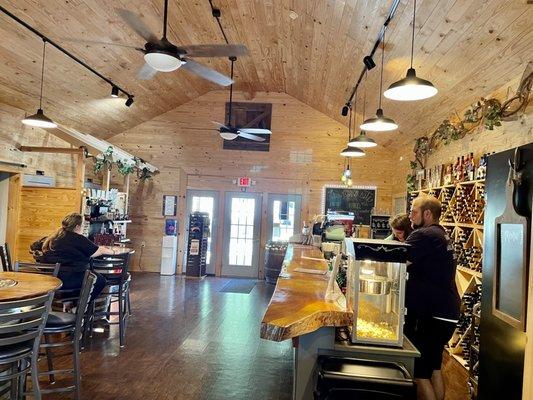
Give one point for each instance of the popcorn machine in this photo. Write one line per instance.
(375, 292)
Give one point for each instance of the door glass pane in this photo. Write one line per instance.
(205, 204)
(283, 218)
(242, 227)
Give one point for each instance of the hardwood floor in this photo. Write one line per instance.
(187, 340)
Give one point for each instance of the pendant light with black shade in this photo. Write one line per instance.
(362, 141)
(411, 87)
(39, 119)
(351, 151)
(380, 123)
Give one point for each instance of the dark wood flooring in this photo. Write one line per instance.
(187, 340)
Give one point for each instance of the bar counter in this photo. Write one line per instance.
(297, 306)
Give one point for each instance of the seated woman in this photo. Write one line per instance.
(73, 251)
(401, 227)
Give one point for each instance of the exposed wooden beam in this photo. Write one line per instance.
(61, 150)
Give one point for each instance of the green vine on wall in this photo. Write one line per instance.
(125, 167)
(489, 112)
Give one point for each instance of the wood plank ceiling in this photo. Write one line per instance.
(466, 48)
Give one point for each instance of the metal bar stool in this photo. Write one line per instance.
(5, 258)
(21, 326)
(115, 270)
(71, 328)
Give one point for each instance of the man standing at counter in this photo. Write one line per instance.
(432, 300)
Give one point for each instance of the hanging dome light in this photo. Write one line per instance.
(362, 141)
(352, 152)
(411, 87)
(379, 123)
(39, 119)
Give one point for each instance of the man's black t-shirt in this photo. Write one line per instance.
(431, 288)
(72, 251)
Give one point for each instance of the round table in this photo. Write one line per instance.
(22, 285)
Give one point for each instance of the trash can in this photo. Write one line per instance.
(274, 255)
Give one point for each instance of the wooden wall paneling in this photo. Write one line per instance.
(463, 47)
(14, 134)
(13, 210)
(303, 157)
(41, 212)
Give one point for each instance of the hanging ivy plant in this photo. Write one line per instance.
(144, 174)
(125, 168)
(104, 160)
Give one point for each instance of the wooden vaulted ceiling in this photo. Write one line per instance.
(466, 48)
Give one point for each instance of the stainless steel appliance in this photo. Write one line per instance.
(376, 290)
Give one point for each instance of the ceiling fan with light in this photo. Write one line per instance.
(161, 55)
(229, 132)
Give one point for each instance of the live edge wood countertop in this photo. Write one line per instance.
(298, 306)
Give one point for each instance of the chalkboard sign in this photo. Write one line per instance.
(360, 201)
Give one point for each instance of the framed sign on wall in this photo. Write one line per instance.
(170, 204)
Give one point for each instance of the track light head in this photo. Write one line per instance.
(345, 110)
(369, 63)
(216, 12)
(114, 91)
(129, 102)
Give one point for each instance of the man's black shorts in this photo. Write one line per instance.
(429, 335)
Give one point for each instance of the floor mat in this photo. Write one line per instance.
(239, 286)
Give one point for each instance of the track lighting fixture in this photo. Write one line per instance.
(39, 119)
(369, 63)
(129, 102)
(411, 87)
(114, 91)
(345, 109)
(379, 123)
(362, 141)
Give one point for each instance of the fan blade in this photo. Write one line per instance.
(135, 22)
(256, 131)
(146, 72)
(215, 50)
(100, 43)
(220, 125)
(251, 137)
(207, 73)
(228, 135)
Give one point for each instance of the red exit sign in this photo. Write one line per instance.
(244, 182)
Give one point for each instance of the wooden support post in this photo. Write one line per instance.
(107, 180)
(127, 191)
(13, 211)
(80, 177)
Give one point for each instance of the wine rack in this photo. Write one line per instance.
(462, 216)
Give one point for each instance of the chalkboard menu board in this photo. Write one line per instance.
(360, 201)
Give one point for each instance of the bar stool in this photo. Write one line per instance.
(5, 258)
(70, 327)
(115, 270)
(21, 326)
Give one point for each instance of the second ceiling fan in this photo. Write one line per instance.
(161, 55)
(230, 132)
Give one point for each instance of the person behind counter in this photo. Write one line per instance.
(431, 297)
(73, 251)
(401, 228)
